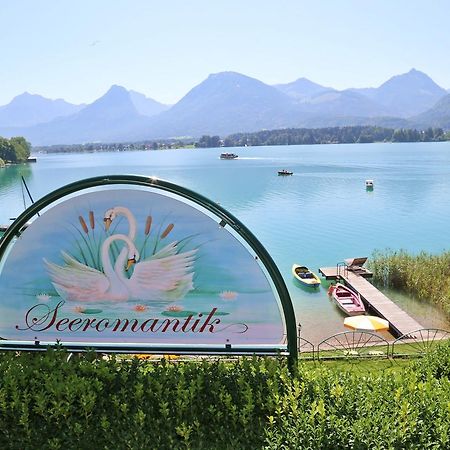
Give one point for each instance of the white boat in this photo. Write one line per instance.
(369, 185)
(228, 156)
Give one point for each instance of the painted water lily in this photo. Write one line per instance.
(174, 308)
(228, 295)
(43, 297)
(79, 309)
(140, 308)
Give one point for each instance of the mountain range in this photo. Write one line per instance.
(225, 103)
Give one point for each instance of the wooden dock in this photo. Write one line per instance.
(400, 322)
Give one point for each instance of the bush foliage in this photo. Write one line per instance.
(14, 150)
(50, 402)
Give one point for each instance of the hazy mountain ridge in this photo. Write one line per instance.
(30, 109)
(145, 105)
(301, 88)
(229, 102)
(437, 116)
(409, 94)
(223, 102)
(111, 117)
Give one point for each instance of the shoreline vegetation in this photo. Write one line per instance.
(289, 136)
(13, 151)
(424, 276)
(52, 401)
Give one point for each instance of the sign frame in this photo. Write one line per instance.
(224, 217)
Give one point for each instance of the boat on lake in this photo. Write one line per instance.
(347, 300)
(228, 156)
(305, 276)
(285, 172)
(369, 185)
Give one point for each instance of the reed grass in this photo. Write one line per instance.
(425, 276)
(88, 238)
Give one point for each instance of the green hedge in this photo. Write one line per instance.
(47, 402)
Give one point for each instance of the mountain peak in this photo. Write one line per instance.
(231, 77)
(116, 91)
(114, 95)
(227, 74)
(27, 97)
(26, 94)
(413, 75)
(30, 109)
(116, 102)
(301, 88)
(409, 93)
(117, 87)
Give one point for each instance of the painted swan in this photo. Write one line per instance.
(165, 276)
(109, 216)
(78, 282)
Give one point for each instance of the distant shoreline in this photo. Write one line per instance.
(290, 136)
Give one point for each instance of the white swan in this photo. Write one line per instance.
(108, 218)
(78, 282)
(165, 276)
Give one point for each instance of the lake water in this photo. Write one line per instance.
(317, 217)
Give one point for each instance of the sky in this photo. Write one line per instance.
(77, 49)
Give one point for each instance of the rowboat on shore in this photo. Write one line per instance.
(347, 300)
(304, 276)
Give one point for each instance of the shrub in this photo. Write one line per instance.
(435, 364)
(50, 401)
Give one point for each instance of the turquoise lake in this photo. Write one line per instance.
(317, 217)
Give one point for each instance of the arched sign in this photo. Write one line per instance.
(129, 263)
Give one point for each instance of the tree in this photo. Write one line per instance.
(14, 150)
(22, 148)
(7, 152)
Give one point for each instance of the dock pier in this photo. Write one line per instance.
(400, 323)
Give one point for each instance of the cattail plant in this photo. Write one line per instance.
(83, 224)
(91, 219)
(161, 236)
(148, 225)
(168, 229)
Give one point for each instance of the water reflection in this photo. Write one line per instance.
(428, 315)
(13, 196)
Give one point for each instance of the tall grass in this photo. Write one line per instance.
(424, 276)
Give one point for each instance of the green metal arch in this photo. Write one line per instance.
(226, 218)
